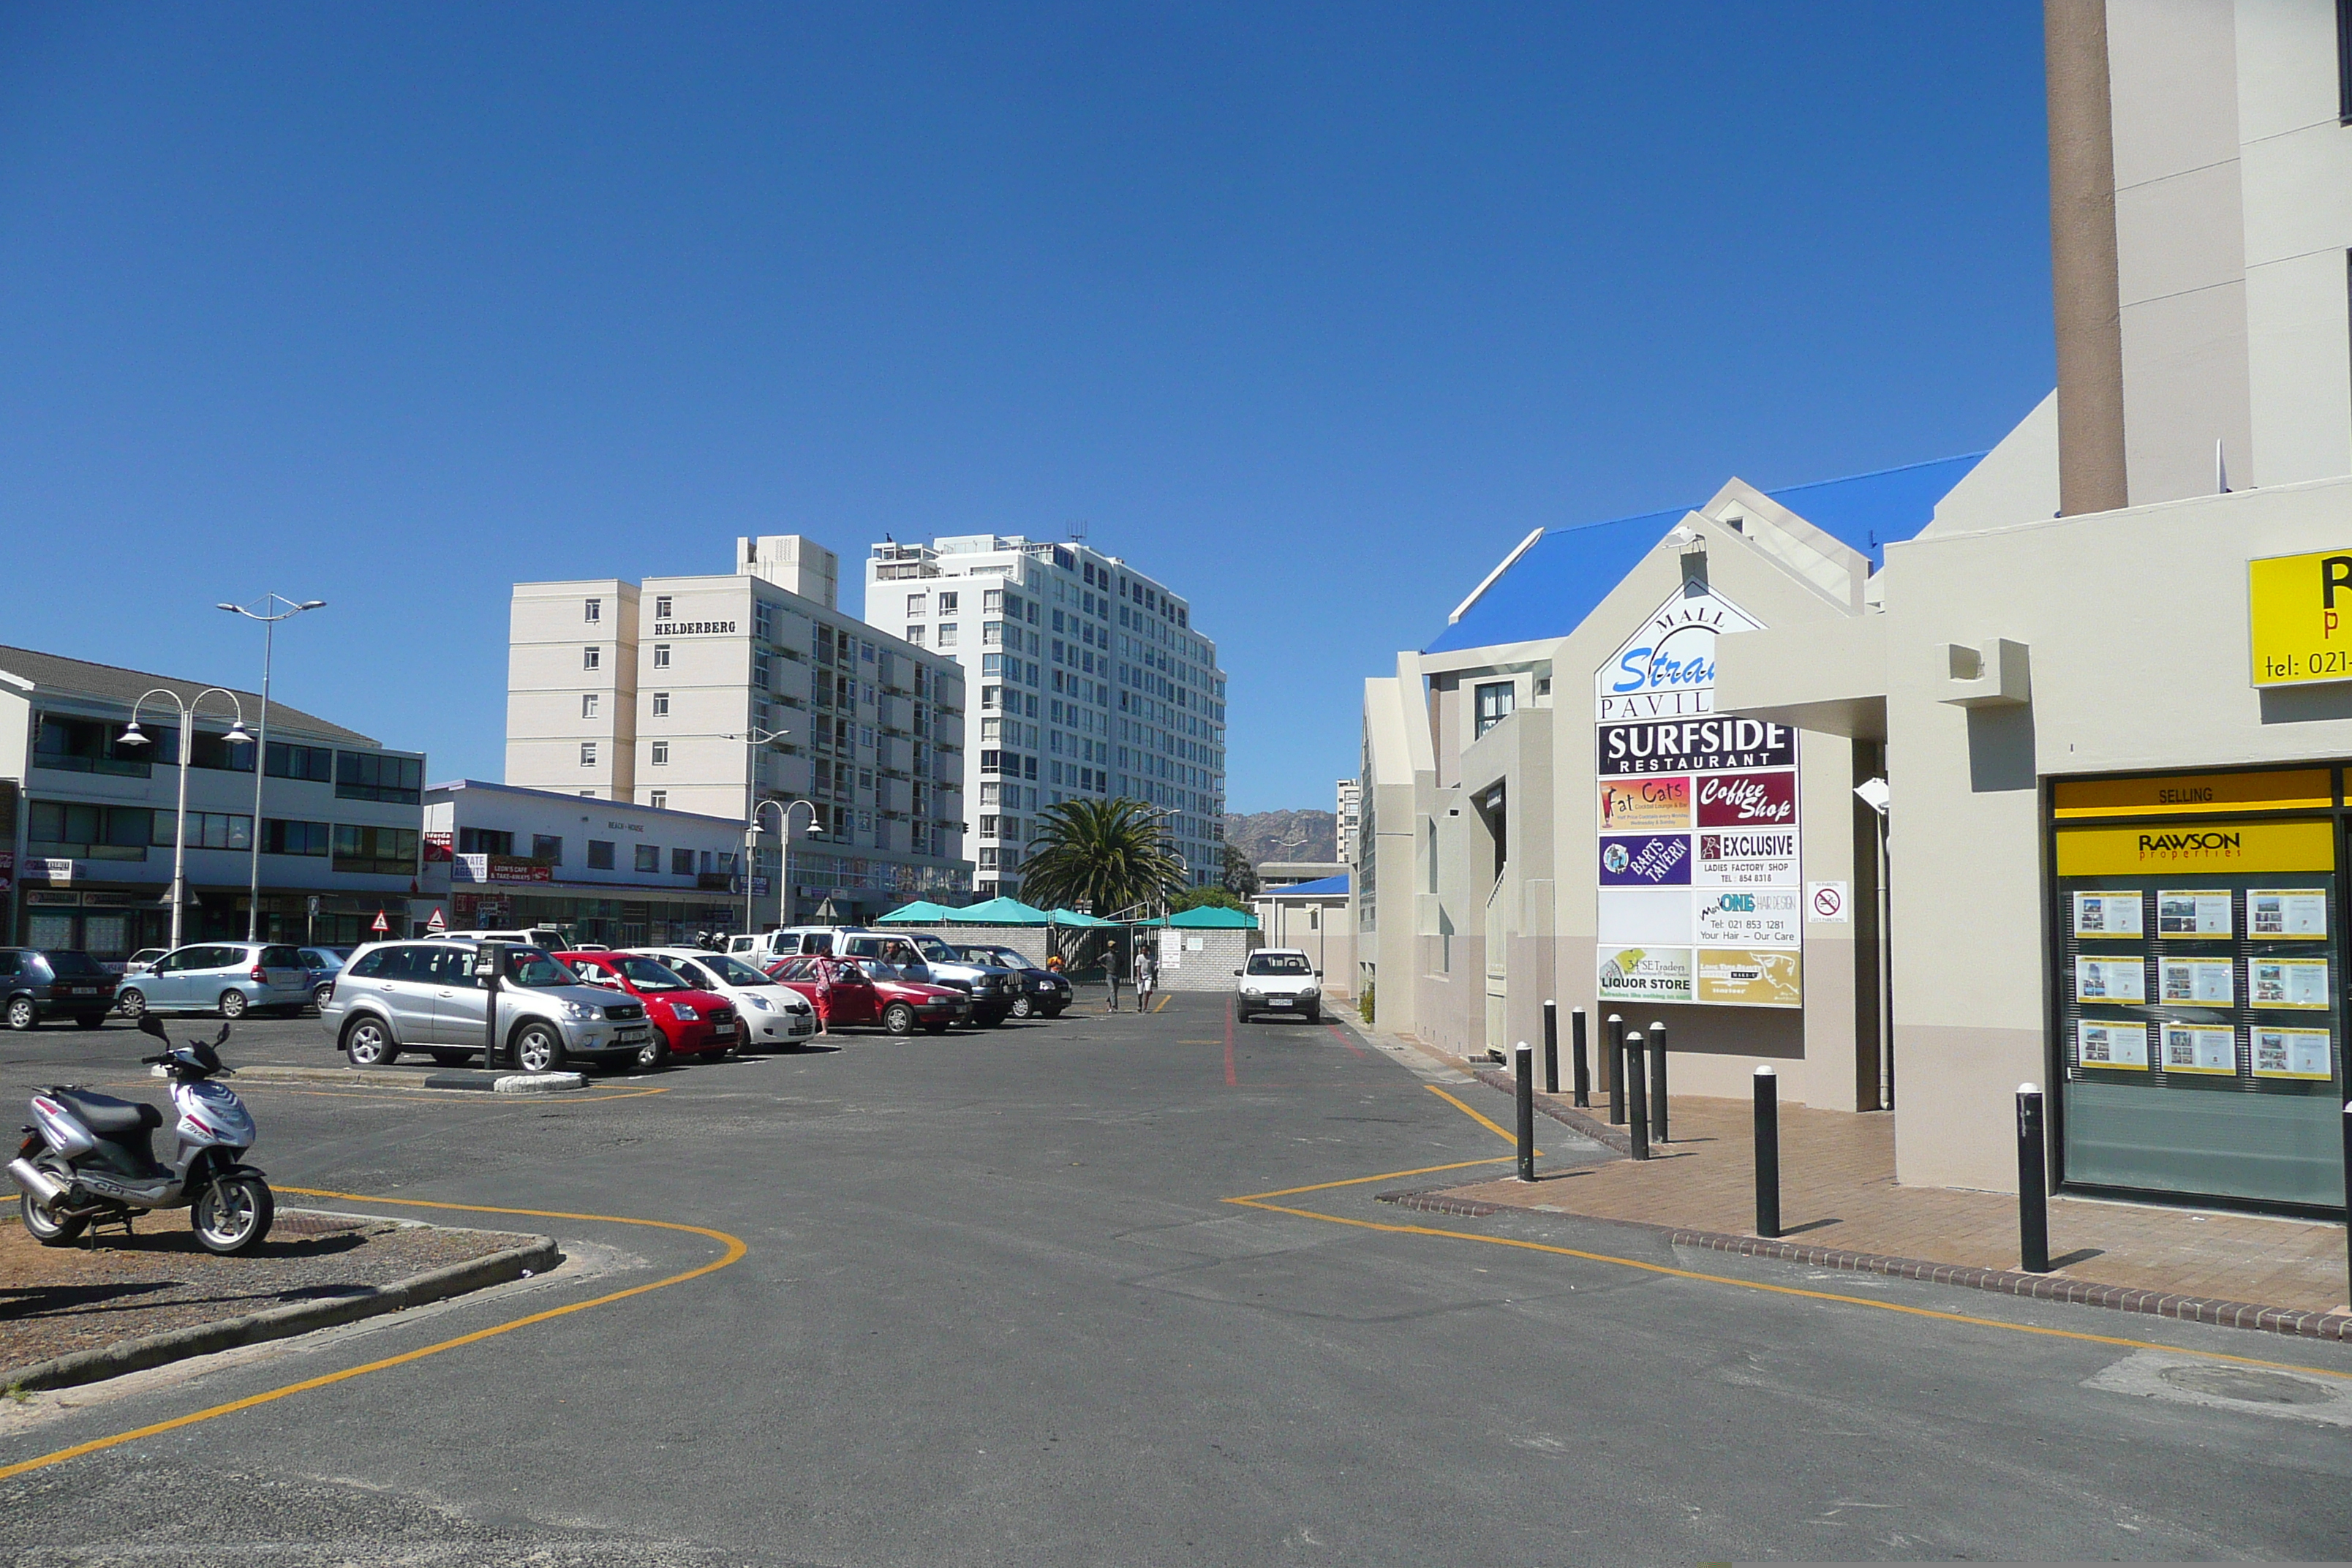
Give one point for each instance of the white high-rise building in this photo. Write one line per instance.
(1351, 817)
(1092, 681)
(644, 692)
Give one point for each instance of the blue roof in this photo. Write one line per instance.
(1566, 574)
(1324, 887)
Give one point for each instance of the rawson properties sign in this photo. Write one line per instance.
(2300, 610)
(1698, 876)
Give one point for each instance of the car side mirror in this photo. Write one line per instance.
(1236, 971)
(1319, 974)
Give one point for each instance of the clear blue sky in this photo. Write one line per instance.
(1313, 312)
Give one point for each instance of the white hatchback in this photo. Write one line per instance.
(1279, 980)
(772, 1014)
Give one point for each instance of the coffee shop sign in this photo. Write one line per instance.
(1666, 669)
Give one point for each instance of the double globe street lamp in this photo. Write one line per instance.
(269, 615)
(131, 736)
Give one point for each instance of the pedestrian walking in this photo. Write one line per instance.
(1147, 976)
(1110, 968)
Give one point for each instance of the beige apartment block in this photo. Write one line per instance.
(571, 676)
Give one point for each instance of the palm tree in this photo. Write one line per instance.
(1108, 855)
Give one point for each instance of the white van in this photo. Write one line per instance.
(546, 936)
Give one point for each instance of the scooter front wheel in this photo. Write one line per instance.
(47, 1226)
(232, 1215)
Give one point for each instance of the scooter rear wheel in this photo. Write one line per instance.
(232, 1215)
(47, 1229)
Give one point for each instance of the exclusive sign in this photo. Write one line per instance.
(2299, 608)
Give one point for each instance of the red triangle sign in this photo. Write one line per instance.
(382, 925)
(436, 922)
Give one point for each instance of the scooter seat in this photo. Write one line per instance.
(105, 1115)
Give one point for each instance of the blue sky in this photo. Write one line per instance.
(1313, 312)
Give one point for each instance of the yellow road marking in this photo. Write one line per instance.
(735, 1250)
(1256, 1201)
(1164, 998)
(1472, 1114)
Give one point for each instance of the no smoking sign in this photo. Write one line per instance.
(1826, 901)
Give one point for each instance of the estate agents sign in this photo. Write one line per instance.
(2300, 610)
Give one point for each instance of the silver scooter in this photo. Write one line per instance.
(89, 1158)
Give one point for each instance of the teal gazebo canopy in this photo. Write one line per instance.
(1000, 911)
(921, 912)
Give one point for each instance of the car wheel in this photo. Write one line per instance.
(452, 1059)
(899, 1018)
(131, 1002)
(1314, 1014)
(1023, 1007)
(232, 1214)
(89, 1020)
(233, 1003)
(368, 1044)
(21, 1013)
(321, 994)
(656, 1054)
(1243, 1015)
(537, 1049)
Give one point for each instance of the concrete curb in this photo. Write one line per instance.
(536, 1255)
(1559, 1110)
(489, 1080)
(2287, 1320)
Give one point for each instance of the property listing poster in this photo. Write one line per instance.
(1700, 886)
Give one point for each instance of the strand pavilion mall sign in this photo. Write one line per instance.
(1698, 881)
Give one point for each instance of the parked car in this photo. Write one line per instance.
(547, 938)
(871, 990)
(1279, 980)
(142, 960)
(226, 977)
(993, 990)
(687, 1022)
(769, 1012)
(1043, 994)
(424, 995)
(320, 967)
(37, 983)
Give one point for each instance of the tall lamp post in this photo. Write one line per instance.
(131, 737)
(752, 739)
(784, 857)
(269, 615)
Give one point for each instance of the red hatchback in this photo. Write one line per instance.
(868, 991)
(687, 1022)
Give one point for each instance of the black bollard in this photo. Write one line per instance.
(1768, 1153)
(1523, 1091)
(1616, 1070)
(1552, 1047)
(1658, 1082)
(490, 967)
(2033, 1185)
(1582, 1064)
(2347, 1183)
(1637, 1115)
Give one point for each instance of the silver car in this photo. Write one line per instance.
(396, 997)
(229, 978)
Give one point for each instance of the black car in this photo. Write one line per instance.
(38, 982)
(1044, 994)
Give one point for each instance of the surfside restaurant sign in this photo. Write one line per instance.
(1699, 874)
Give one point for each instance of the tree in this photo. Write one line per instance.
(1108, 855)
(1211, 897)
(1240, 877)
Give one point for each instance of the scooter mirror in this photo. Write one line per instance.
(151, 1025)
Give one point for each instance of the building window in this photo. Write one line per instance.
(592, 657)
(763, 671)
(661, 704)
(376, 775)
(588, 705)
(947, 635)
(484, 841)
(547, 846)
(587, 754)
(915, 635)
(919, 603)
(681, 862)
(295, 837)
(948, 601)
(661, 655)
(600, 854)
(592, 609)
(991, 634)
(662, 602)
(648, 857)
(73, 831)
(316, 763)
(658, 799)
(990, 729)
(661, 753)
(763, 620)
(1495, 699)
(375, 852)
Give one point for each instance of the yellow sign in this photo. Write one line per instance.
(2300, 609)
(1751, 976)
(2229, 848)
(2300, 789)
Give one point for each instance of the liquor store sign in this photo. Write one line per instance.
(2299, 610)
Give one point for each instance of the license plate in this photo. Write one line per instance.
(630, 1037)
(1277, 1001)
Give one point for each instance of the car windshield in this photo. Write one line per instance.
(529, 966)
(648, 975)
(733, 971)
(1279, 963)
(1002, 957)
(67, 963)
(935, 949)
(874, 969)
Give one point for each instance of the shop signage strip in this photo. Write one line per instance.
(2299, 789)
(2233, 847)
(2299, 611)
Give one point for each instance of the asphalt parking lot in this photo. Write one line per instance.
(989, 1298)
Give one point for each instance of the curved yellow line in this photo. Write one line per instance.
(735, 1250)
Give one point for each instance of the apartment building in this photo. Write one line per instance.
(1350, 812)
(1093, 682)
(713, 694)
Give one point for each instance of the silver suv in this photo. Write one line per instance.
(424, 995)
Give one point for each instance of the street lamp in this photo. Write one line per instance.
(785, 860)
(131, 736)
(752, 739)
(268, 615)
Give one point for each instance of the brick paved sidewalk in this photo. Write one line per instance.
(1838, 1190)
